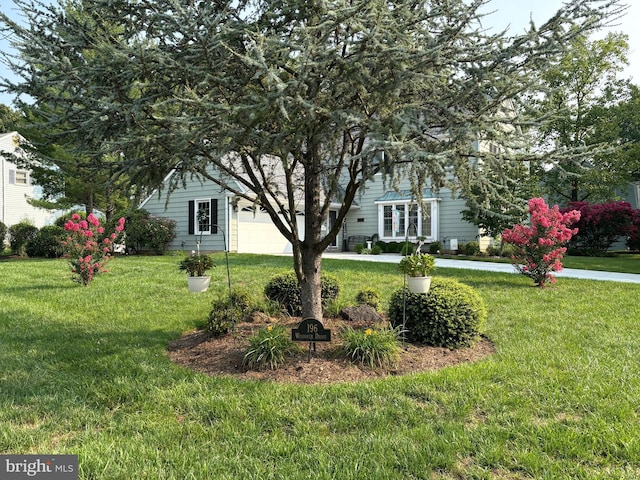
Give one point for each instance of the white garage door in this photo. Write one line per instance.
(258, 234)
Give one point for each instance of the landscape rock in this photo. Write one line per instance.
(360, 313)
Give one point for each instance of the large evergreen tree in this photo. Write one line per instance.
(301, 102)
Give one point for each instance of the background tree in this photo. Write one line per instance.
(619, 125)
(299, 102)
(8, 119)
(65, 160)
(580, 88)
(498, 200)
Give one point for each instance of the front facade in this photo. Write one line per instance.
(16, 188)
(213, 219)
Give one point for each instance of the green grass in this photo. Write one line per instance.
(84, 371)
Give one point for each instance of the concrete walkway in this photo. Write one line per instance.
(490, 267)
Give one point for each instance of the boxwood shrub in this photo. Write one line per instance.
(451, 315)
(46, 243)
(284, 290)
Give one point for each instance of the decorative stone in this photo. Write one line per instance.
(360, 313)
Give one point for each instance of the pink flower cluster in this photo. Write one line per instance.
(539, 247)
(86, 253)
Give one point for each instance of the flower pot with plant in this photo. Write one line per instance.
(417, 268)
(196, 265)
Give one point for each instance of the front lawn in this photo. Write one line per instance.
(84, 371)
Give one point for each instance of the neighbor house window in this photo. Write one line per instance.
(18, 177)
(398, 218)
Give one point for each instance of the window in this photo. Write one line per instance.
(203, 216)
(399, 218)
(18, 177)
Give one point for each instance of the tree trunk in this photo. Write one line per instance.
(311, 286)
(310, 265)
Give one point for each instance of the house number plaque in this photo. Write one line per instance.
(312, 331)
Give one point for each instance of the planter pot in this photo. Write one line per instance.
(198, 284)
(419, 284)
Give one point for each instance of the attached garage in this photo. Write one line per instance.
(258, 234)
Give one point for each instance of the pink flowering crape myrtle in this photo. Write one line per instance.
(539, 247)
(87, 248)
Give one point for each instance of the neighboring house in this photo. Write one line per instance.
(16, 188)
(379, 212)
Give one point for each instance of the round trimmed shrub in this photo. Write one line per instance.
(472, 249)
(435, 247)
(225, 311)
(284, 290)
(19, 235)
(451, 315)
(407, 249)
(46, 243)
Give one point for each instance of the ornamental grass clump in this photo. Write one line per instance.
(539, 247)
(375, 347)
(88, 247)
(268, 348)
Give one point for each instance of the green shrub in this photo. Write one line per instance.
(47, 242)
(493, 251)
(435, 247)
(394, 247)
(472, 249)
(376, 250)
(268, 348)
(358, 248)
(225, 311)
(382, 246)
(451, 315)
(508, 250)
(19, 235)
(368, 296)
(461, 248)
(285, 290)
(3, 233)
(148, 232)
(407, 249)
(373, 347)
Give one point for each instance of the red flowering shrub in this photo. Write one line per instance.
(633, 234)
(538, 248)
(88, 247)
(600, 225)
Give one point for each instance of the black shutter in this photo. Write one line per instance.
(214, 215)
(192, 217)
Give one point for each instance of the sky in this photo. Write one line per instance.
(514, 14)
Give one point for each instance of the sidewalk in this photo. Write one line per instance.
(490, 267)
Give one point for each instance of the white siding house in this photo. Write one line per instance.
(16, 187)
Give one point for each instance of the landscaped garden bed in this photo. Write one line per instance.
(223, 356)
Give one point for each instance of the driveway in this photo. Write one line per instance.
(490, 267)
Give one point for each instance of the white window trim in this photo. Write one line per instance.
(196, 223)
(434, 220)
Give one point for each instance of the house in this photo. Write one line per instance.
(380, 212)
(16, 188)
